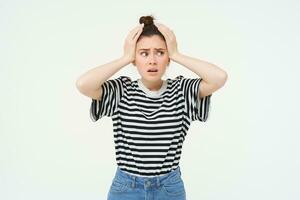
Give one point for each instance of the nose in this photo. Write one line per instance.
(152, 59)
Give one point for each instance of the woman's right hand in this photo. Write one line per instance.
(130, 42)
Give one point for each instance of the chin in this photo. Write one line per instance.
(152, 78)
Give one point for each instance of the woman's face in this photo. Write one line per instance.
(151, 57)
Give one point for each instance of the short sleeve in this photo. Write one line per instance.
(113, 90)
(197, 108)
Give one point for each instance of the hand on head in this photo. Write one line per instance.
(170, 39)
(130, 42)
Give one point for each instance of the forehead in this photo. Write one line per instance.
(151, 42)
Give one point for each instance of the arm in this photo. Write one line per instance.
(213, 77)
(90, 82)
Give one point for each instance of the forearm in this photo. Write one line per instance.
(207, 71)
(95, 77)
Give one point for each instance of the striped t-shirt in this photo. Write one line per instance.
(150, 126)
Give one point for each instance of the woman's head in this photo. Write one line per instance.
(151, 51)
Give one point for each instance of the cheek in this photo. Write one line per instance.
(163, 59)
(140, 59)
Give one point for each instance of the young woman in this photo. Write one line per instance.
(151, 116)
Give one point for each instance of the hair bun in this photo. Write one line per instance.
(147, 20)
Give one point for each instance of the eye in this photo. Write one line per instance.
(158, 52)
(161, 52)
(144, 53)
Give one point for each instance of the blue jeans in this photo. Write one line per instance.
(126, 186)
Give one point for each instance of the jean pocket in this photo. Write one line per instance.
(174, 186)
(118, 186)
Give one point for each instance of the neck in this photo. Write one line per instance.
(152, 86)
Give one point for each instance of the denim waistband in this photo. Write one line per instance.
(145, 181)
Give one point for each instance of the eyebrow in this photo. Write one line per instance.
(154, 48)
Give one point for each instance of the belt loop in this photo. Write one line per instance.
(133, 182)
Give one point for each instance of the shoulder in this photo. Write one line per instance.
(126, 81)
(180, 77)
(186, 80)
(124, 78)
(118, 82)
(176, 80)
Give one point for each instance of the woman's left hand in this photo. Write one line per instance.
(170, 39)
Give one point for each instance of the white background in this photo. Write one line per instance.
(50, 148)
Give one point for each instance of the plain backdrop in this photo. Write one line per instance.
(49, 146)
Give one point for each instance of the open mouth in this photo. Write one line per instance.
(152, 70)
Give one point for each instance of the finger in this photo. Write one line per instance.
(168, 30)
(160, 28)
(136, 28)
(138, 33)
(163, 27)
(136, 36)
(163, 30)
(134, 31)
(169, 33)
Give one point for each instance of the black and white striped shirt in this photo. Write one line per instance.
(150, 127)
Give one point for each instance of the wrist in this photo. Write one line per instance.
(126, 59)
(175, 56)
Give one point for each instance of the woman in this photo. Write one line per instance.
(150, 116)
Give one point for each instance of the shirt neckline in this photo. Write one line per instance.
(153, 93)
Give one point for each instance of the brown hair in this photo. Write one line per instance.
(149, 28)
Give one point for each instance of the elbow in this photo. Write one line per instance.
(222, 79)
(79, 84)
